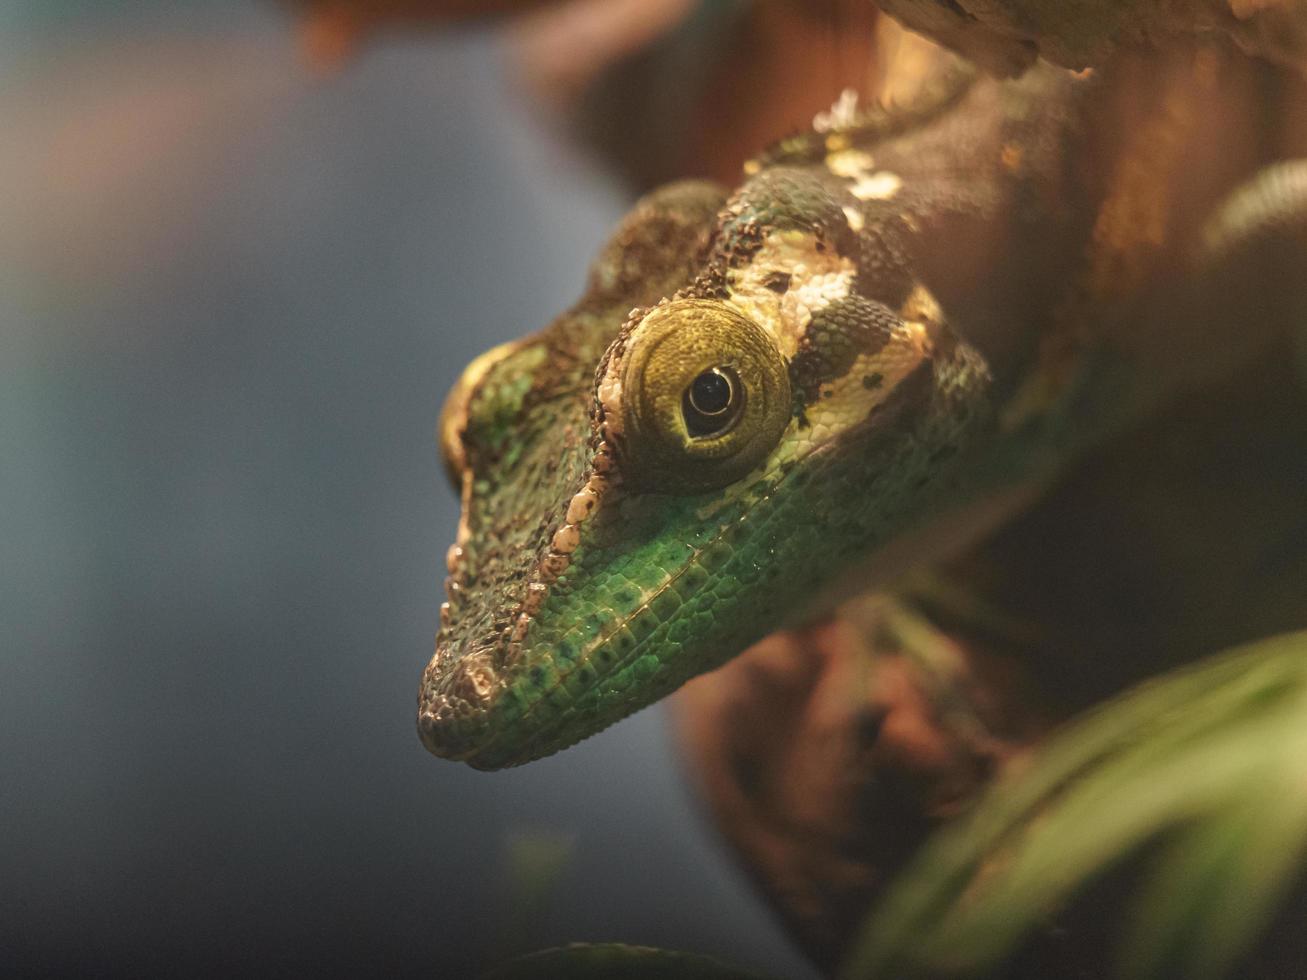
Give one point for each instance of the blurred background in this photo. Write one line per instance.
(233, 292)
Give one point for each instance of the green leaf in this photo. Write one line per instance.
(1209, 761)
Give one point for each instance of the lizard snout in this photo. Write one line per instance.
(455, 704)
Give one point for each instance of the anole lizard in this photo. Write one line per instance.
(891, 336)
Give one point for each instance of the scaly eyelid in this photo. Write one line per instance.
(453, 423)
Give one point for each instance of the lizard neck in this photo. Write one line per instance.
(1065, 208)
(1058, 220)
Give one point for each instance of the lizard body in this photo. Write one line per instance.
(888, 339)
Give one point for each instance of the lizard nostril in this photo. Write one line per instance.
(470, 683)
(455, 703)
(479, 680)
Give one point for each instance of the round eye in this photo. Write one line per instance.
(712, 403)
(702, 396)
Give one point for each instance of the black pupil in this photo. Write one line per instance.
(710, 393)
(711, 403)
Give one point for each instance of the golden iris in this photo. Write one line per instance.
(705, 397)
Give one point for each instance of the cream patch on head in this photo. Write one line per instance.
(922, 308)
(870, 380)
(846, 401)
(850, 164)
(866, 183)
(817, 277)
(809, 294)
(842, 115)
(880, 186)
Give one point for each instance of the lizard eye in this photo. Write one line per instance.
(704, 397)
(712, 403)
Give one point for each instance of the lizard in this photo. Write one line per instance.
(894, 335)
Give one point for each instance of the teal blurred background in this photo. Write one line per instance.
(232, 297)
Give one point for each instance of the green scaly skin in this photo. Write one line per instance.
(883, 286)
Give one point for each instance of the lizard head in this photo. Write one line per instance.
(646, 491)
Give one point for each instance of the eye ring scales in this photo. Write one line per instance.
(704, 397)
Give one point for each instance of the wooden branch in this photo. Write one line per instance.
(1006, 36)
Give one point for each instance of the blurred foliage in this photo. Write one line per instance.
(1207, 763)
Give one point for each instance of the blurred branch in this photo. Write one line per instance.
(332, 30)
(1006, 36)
